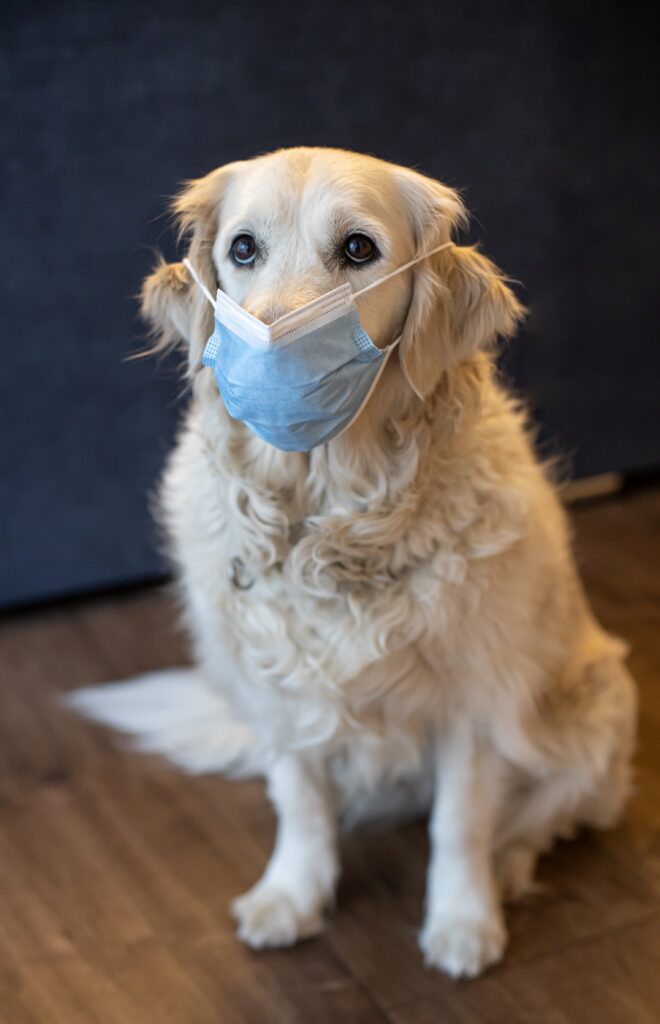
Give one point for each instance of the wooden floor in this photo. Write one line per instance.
(116, 872)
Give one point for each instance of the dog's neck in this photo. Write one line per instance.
(362, 488)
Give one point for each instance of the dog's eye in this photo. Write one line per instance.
(359, 248)
(243, 250)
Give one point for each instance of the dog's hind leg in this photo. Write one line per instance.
(580, 776)
(177, 713)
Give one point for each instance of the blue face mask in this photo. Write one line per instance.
(303, 379)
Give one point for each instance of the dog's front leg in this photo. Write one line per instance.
(289, 900)
(463, 932)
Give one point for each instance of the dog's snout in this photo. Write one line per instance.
(269, 310)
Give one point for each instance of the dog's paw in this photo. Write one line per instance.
(463, 947)
(267, 917)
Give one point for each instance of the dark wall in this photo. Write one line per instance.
(541, 112)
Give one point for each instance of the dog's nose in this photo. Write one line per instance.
(268, 311)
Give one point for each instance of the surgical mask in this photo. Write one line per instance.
(303, 379)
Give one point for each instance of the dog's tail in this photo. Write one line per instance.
(176, 713)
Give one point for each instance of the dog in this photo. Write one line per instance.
(392, 622)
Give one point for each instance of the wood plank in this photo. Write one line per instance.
(584, 889)
(612, 979)
(116, 871)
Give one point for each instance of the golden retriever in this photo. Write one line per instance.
(394, 621)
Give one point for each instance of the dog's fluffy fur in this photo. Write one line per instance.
(415, 635)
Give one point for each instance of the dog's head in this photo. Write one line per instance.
(280, 230)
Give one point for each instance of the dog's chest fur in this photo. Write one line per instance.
(318, 610)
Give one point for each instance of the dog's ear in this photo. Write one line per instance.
(460, 300)
(171, 302)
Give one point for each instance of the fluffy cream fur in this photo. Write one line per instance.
(415, 634)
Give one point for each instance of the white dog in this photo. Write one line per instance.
(393, 620)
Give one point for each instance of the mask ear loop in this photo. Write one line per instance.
(191, 270)
(399, 270)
